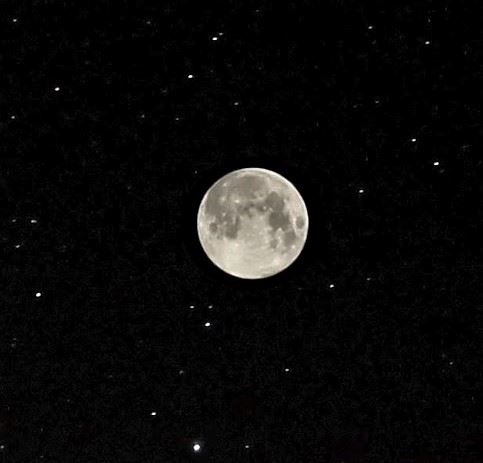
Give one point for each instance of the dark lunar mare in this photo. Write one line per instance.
(232, 227)
(225, 218)
(277, 218)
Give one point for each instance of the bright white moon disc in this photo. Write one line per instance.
(252, 223)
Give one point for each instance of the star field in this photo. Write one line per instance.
(121, 342)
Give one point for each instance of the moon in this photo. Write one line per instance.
(252, 223)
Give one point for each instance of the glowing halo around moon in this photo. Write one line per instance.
(252, 223)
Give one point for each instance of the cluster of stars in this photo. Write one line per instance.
(14, 220)
(207, 324)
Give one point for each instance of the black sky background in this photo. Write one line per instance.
(379, 322)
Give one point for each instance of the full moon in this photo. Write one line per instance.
(252, 223)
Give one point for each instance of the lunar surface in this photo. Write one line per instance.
(252, 223)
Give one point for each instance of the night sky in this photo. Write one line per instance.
(121, 342)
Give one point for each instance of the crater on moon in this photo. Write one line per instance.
(252, 223)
